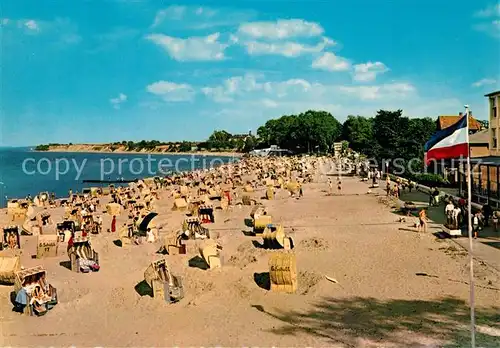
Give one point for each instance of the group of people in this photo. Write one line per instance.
(399, 185)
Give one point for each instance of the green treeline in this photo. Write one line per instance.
(387, 135)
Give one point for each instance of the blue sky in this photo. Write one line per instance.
(99, 71)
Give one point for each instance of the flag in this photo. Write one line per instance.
(451, 142)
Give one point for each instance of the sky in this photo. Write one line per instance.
(112, 70)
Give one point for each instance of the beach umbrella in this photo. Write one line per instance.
(143, 227)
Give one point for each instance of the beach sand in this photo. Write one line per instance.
(379, 299)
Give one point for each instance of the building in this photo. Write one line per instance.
(337, 149)
(479, 144)
(494, 123)
(446, 121)
(485, 169)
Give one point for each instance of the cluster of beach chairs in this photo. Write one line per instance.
(198, 196)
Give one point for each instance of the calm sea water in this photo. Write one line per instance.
(24, 172)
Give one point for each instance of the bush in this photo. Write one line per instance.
(42, 148)
(430, 180)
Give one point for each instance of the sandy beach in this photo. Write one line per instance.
(380, 297)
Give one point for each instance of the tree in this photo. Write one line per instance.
(249, 144)
(358, 131)
(185, 146)
(302, 133)
(220, 139)
(387, 131)
(484, 123)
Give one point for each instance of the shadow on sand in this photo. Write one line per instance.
(143, 289)
(347, 321)
(198, 262)
(262, 280)
(65, 264)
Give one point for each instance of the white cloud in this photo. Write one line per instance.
(384, 91)
(490, 11)
(288, 48)
(250, 87)
(116, 102)
(281, 29)
(491, 28)
(331, 62)
(484, 82)
(251, 97)
(490, 20)
(173, 12)
(171, 91)
(232, 87)
(31, 25)
(195, 48)
(368, 72)
(269, 103)
(272, 98)
(196, 17)
(61, 31)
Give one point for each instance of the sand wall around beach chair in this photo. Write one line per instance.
(9, 265)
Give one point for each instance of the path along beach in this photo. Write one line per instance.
(394, 287)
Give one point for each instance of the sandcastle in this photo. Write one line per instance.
(9, 265)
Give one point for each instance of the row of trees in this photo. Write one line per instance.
(388, 135)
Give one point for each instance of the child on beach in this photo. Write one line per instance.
(339, 186)
(113, 224)
(422, 217)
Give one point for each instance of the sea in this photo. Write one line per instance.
(26, 172)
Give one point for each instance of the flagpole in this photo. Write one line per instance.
(469, 229)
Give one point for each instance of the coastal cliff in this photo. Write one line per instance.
(115, 148)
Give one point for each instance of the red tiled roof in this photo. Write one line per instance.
(446, 121)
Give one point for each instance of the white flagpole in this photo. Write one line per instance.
(469, 228)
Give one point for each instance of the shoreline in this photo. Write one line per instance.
(226, 155)
(122, 152)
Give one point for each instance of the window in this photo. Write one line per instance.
(493, 103)
(494, 142)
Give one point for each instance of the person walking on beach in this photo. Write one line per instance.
(422, 217)
(431, 197)
(475, 224)
(457, 213)
(339, 186)
(487, 212)
(448, 210)
(396, 191)
(113, 224)
(495, 220)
